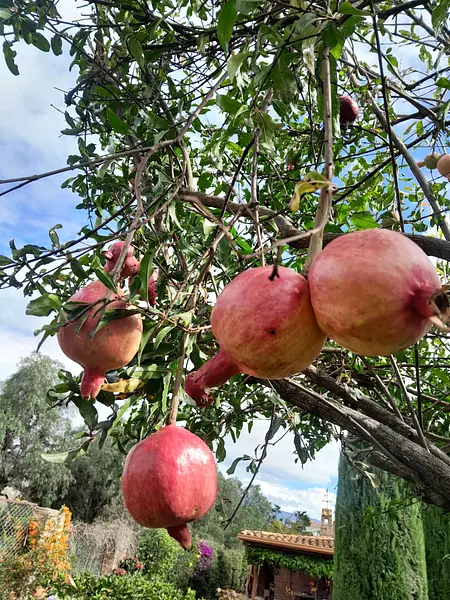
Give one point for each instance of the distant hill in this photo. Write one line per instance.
(286, 516)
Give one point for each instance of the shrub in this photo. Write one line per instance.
(218, 567)
(164, 559)
(127, 587)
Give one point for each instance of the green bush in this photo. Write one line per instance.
(227, 570)
(127, 587)
(164, 558)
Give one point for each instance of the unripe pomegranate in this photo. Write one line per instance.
(374, 292)
(170, 479)
(348, 110)
(443, 165)
(131, 264)
(431, 160)
(265, 327)
(111, 347)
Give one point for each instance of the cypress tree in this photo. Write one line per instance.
(436, 526)
(379, 540)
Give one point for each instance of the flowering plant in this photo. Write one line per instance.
(129, 565)
(44, 560)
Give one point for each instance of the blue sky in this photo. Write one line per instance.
(31, 143)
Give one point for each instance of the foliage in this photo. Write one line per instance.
(44, 561)
(164, 559)
(29, 427)
(379, 540)
(436, 525)
(218, 567)
(254, 513)
(128, 587)
(295, 526)
(192, 123)
(313, 566)
(95, 481)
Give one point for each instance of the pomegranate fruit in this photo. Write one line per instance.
(348, 110)
(111, 347)
(265, 327)
(130, 269)
(374, 292)
(131, 264)
(443, 166)
(431, 160)
(170, 479)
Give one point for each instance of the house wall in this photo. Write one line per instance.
(298, 582)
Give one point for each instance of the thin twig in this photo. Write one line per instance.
(383, 388)
(408, 402)
(326, 194)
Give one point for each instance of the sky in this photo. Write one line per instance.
(31, 143)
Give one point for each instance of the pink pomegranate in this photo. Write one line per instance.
(152, 291)
(112, 347)
(349, 110)
(170, 479)
(131, 264)
(374, 292)
(265, 327)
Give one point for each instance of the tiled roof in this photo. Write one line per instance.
(302, 543)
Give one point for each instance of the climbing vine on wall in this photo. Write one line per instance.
(315, 567)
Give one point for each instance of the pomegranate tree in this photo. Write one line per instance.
(375, 292)
(265, 327)
(170, 479)
(111, 347)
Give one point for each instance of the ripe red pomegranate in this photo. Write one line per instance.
(265, 327)
(348, 110)
(170, 479)
(374, 292)
(131, 264)
(443, 165)
(112, 347)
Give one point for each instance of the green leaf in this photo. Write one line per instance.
(9, 55)
(225, 23)
(116, 122)
(283, 80)
(54, 236)
(439, 14)
(65, 457)
(106, 279)
(236, 461)
(235, 63)
(161, 335)
(363, 220)
(40, 41)
(77, 269)
(4, 260)
(346, 8)
(145, 272)
(56, 43)
(443, 82)
(43, 306)
(87, 411)
(247, 6)
(227, 104)
(5, 13)
(136, 50)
